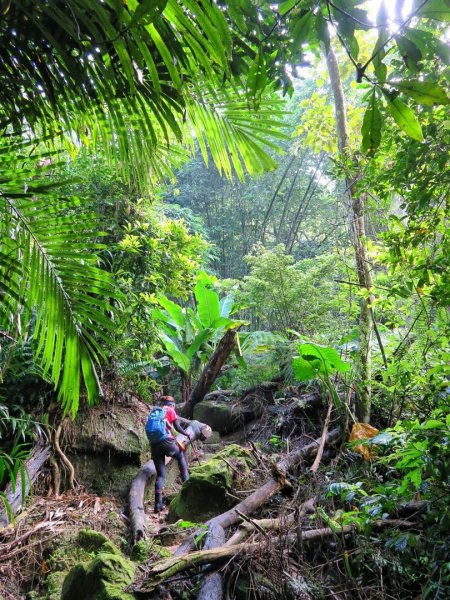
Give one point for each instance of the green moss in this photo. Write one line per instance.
(104, 578)
(76, 553)
(103, 477)
(141, 551)
(206, 493)
(146, 550)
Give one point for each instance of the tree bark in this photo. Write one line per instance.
(138, 521)
(39, 455)
(357, 201)
(210, 372)
(212, 585)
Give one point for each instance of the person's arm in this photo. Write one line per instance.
(172, 418)
(177, 426)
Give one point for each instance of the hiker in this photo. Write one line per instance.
(159, 432)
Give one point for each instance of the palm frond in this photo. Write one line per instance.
(136, 77)
(49, 271)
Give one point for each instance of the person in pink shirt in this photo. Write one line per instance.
(168, 447)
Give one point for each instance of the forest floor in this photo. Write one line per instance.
(38, 550)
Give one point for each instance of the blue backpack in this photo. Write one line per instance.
(156, 426)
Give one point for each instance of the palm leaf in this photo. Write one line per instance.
(134, 79)
(49, 269)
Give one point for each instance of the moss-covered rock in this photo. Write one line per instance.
(78, 555)
(145, 550)
(206, 493)
(104, 476)
(120, 431)
(215, 414)
(104, 578)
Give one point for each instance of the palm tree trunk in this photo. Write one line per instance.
(357, 201)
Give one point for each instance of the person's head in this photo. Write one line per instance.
(168, 401)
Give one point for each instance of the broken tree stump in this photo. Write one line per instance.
(38, 457)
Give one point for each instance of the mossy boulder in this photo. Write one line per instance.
(215, 414)
(206, 493)
(88, 562)
(104, 578)
(117, 432)
(104, 476)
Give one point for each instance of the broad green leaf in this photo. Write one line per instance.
(323, 33)
(423, 92)
(405, 118)
(286, 6)
(303, 370)
(371, 127)
(433, 424)
(226, 305)
(175, 311)
(328, 357)
(409, 52)
(302, 30)
(438, 10)
(199, 340)
(208, 307)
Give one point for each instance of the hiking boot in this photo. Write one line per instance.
(159, 504)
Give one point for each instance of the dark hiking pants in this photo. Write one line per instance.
(159, 453)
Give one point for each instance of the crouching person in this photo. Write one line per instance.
(163, 443)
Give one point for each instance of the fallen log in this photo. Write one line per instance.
(138, 521)
(266, 491)
(169, 567)
(39, 455)
(210, 372)
(250, 526)
(211, 587)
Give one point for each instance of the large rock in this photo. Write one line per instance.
(227, 416)
(206, 493)
(104, 578)
(118, 430)
(107, 444)
(215, 414)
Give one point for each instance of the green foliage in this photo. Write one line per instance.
(129, 79)
(57, 296)
(17, 429)
(189, 336)
(317, 362)
(282, 294)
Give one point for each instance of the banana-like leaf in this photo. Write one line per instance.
(208, 307)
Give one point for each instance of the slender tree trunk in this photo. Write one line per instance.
(359, 235)
(210, 372)
(186, 386)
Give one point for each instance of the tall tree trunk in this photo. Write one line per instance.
(357, 201)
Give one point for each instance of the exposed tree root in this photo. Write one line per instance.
(66, 462)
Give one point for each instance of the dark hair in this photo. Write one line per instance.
(167, 400)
